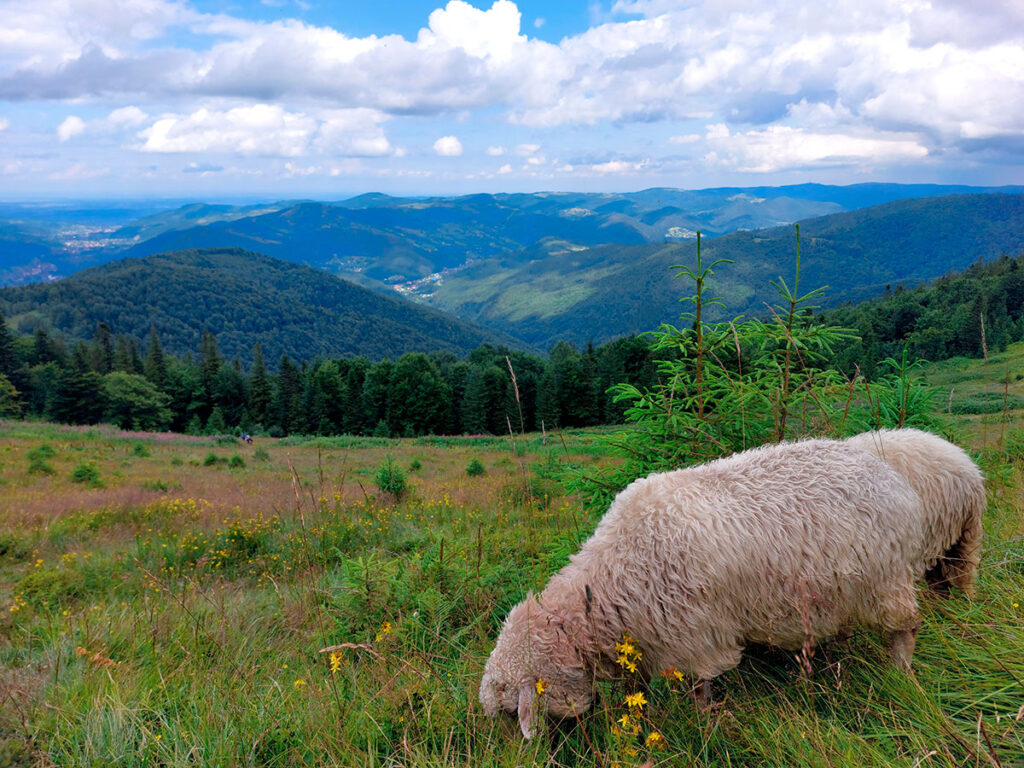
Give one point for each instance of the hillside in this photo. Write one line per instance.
(243, 298)
(380, 240)
(560, 290)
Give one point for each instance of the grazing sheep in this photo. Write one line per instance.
(782, 545)
(952, 492)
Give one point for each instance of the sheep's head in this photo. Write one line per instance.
(536, 666)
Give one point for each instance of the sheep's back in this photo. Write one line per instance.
(756, 547)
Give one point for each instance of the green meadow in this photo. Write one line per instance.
(188, 601)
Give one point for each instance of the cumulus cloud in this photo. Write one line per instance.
(70, 127)
(4, 123)
(495, 151)
(448, 146)
(780, 147)
(268, 130)
(911, 79)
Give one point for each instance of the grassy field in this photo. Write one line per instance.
(177, 601)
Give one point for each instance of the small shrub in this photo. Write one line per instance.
(987, 402)
(176, 461)
(87, 474)
(236, 462)
(46, 586)
(261, 454)
(415, 465)
(211, 459)
(390, 479)
(155, 485)
(13, 547)
(226, 440)
(475, 468)
(140, 450)
(40, 467)
(42, 452)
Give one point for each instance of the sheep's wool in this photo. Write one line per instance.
(782, 545)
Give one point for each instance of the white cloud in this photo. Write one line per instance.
(525, 150)
(70, 127)
(782, 148)
(506, 168)
(269, 130)
(448, 146)
(4, 123)
(261, 129)
(127, 116)
(495, 151)
(686, 138)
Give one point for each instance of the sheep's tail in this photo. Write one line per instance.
(958, 565)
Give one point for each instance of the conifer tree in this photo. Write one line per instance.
(8, 358)
(261, 392)
(155, 366)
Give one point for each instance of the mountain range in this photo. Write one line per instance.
(567, 284)
(381, 241)
(243, 298)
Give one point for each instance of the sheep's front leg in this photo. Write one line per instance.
(901, 645)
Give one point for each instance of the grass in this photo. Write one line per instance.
(285, 612)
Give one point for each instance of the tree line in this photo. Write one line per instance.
(969, 314)
(494, 389)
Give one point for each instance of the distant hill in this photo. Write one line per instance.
(243, 298)
(380, 240)
(560, 290)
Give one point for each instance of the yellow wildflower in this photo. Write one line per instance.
(385, 629)
(299, 683)
(541, 686)
(335, 661)
(636, 700)
(655, 740)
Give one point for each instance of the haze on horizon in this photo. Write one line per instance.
(287, 98)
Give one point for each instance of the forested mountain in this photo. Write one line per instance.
(378, 239)
(970, 314)
(560, 290)
(243, 298)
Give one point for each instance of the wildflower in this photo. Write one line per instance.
(541, 686)
(655, 740)
(672, 674)
(335, 661)
(385, 629)
(636, 700)
(299, 683)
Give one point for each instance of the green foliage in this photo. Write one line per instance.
(50, 586)
(728, 386)
(133, 402)
(987, 402)
(236, 462)
(41, 452)
(475, 468)
(390, 479)
(415, 465)
(212, 460)
(141, 451)
(10, 398)
(87, 474)
(261, 454)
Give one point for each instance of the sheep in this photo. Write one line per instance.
(782, 545)
(952, 491)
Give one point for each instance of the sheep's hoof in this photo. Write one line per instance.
(702, 695)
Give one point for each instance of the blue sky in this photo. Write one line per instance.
(299, 98)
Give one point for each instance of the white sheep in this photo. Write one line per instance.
(782, 545)
(952, 491)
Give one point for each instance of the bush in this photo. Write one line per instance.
(261, 454)
(475, 468)
(42, 453)
(45, 586)
(987, 402)
(40, 467)
(390, 479)
(236, 462)
(87, 474)
(140, 450)
(211, 459)
(415, 465)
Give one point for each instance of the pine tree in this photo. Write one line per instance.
(8, 357)
(103, 350)
(155, 366)
(261, 392)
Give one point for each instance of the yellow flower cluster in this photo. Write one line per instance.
(335, 661)
(628, 654)
(385, 630)
(541, 686)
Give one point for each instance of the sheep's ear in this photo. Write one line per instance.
(527, 712)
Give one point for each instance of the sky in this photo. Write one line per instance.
(220, 99)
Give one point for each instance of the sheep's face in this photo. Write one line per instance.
(535, 647)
